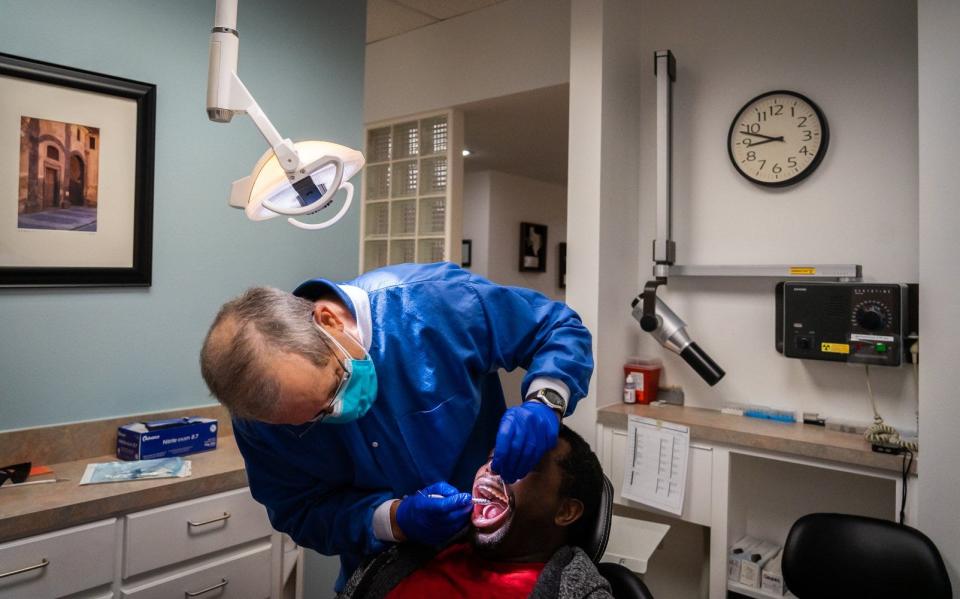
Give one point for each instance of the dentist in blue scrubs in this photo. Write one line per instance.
(363, 409)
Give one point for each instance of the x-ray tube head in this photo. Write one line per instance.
(671, 332)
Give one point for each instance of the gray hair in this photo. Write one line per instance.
(247, 331)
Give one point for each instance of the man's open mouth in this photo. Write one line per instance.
(492, 515)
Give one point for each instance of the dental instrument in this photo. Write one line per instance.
(475, 500)
(290, 179)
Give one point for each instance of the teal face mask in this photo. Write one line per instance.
(358, 388)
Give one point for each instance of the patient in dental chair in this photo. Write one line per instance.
(521, 543)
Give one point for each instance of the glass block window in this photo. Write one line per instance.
(406, 195)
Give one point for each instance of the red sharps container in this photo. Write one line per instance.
(646, 377)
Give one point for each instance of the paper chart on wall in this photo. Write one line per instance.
(655, 464)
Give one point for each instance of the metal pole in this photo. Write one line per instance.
(664, 249)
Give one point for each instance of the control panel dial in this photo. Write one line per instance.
(872, 316)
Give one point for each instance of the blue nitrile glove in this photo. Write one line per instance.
(431, 520)
(526, 433)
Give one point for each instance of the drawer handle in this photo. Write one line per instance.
(43, 564)
(223, 583)
(225, 516)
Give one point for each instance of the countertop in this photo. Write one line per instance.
(804, 440)
(37, 509)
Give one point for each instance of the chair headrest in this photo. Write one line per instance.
(841, 555)
(595, 543)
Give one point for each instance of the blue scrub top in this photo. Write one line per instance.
(439, 336)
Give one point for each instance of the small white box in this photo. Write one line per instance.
(771, 577)
(736, 554)
(757, 558)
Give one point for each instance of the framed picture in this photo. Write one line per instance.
(533, 247)
(76, 177)
(562, 277)
(466, 253)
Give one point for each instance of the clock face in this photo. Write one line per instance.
(778, 138)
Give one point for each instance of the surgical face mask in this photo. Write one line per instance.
(358, 387)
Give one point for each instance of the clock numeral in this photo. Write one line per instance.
(803, 121)
(776, 168)
(792, 162)
(751, 128)
(762, 164)
(776, 110)
(807, 135)
(747, 141)
(751, 155)
(805, 151)
(792, 112)
(761, 115)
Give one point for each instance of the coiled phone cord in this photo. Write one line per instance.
(880, 433)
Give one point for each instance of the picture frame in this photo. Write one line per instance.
(533, 247)
(76, 176)
(466, 253)
(562, 270)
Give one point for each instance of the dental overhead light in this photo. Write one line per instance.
(653, 314)
(290, 179)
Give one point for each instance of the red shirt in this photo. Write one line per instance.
(458, 572)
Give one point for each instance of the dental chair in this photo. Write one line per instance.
(625, 584)
(840, 555)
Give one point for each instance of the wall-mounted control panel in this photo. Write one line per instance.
(864, 323)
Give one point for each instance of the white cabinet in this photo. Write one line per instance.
(218, 546)
(59, 563)
(697, 499)
(182, 531)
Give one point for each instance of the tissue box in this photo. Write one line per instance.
(166, 438)
(738, 552)
(771, 577)
(757, 557)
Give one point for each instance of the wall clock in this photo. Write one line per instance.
(778, 138)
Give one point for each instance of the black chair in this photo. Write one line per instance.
(839, 555)
(625, 584)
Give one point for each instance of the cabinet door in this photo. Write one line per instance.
(241, 575)
(697, 499)
(59, 563)
(181, 531)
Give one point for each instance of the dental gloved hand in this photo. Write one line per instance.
(526, 433)
(431, 520)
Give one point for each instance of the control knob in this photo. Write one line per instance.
(871, 317)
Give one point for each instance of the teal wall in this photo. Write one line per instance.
(76, 354)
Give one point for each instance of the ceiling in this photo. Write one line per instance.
(523, 134)
(387, 18)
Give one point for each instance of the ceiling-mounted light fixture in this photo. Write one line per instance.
(290, 179)
(466, 152)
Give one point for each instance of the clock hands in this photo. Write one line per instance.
(768, 138)
(766, 141)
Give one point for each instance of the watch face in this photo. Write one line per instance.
(778, 138)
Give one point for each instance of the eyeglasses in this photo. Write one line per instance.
(322, 414)
(16, 473)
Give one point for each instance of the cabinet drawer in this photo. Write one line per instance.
(76, 559)
(243, 575)
(697, 497)
(178, 532)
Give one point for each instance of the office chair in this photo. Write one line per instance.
(839, 555)
(625, 584)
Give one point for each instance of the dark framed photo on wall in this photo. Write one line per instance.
(533, 247)
(76, 177)
(562, 271)
(466, 253)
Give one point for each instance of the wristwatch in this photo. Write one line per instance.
(551, 399)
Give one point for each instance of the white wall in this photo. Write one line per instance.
(515, 199)
(507, 48)
(857, 60)
(476, 219)
(939, 86)
(495, 204)
(602, 206)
